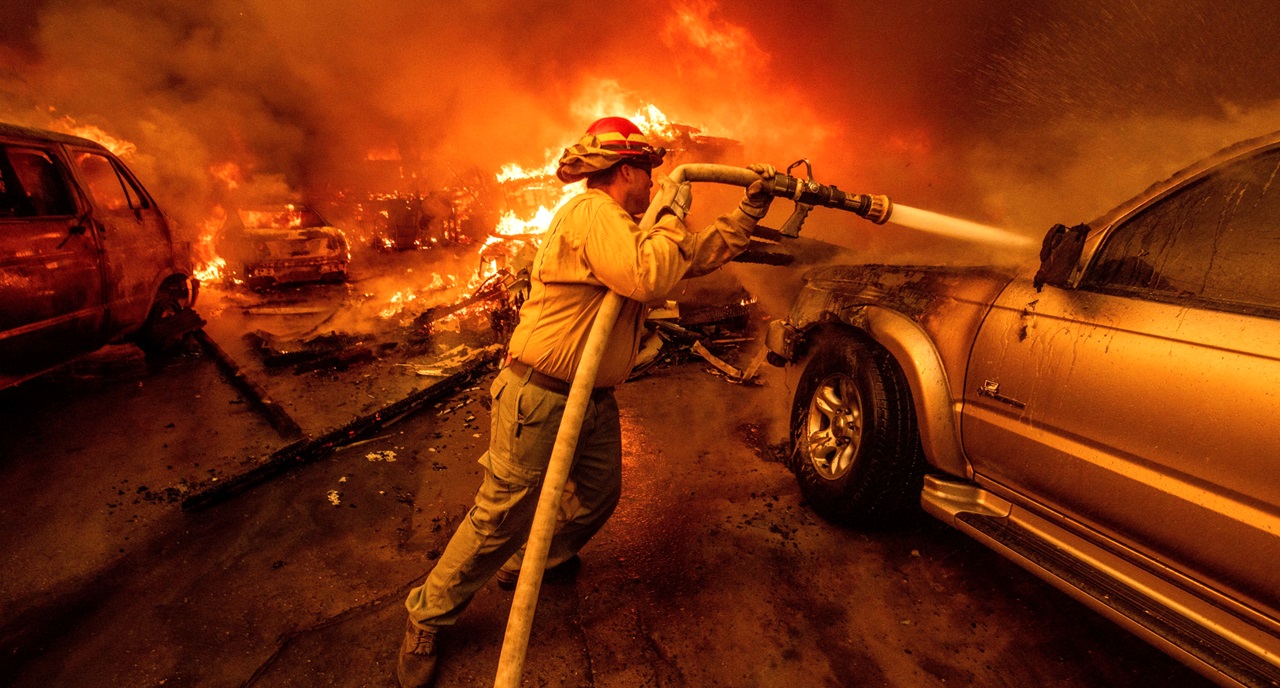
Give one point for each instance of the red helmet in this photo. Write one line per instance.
(608, 141)
(622, 136)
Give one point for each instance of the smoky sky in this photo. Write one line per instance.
(1016, 113)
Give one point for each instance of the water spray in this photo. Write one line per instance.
(808, 194)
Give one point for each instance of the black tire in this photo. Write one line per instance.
(857, 454)
(155, 340)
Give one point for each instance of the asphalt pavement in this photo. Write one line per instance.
(713, 571)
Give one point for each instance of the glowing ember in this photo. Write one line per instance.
(398, 301)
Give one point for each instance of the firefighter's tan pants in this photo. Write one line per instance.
(525, 419)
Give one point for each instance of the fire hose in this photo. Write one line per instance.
(808, 193)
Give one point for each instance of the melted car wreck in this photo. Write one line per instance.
(282, 244)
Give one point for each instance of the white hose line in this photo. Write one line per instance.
(520, 623)
(515, 643)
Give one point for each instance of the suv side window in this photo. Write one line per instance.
(32, 184)
(109, 188)
(1213, 243)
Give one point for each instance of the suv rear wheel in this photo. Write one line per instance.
(857, 455)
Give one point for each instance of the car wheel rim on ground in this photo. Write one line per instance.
(834, 426)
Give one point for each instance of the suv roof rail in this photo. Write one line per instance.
(46, 136)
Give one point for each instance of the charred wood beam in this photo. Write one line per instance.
(713, 315)
(758, 257)
(767, 234)
(275, 415)
(309, 450)
(352, 355)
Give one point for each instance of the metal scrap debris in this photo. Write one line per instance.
(502, 294)
(734, 374)
(453, 358)
(676, 333)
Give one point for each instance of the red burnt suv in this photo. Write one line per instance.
(86, 256)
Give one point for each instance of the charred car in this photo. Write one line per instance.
(1106, 419)
(86, 256)
(281, 244)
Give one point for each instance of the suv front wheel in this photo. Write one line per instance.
(857, 455)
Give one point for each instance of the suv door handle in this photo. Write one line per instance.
(991, 388)
(77, 229)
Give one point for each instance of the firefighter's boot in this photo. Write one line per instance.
(416, 667)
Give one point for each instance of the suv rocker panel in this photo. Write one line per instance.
(1111, 586)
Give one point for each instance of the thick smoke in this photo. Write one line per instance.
(1015, 114)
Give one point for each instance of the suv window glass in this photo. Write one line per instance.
(33, 185)
(1212, 243)
(104, 182)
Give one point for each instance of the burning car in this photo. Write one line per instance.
(1106, 419)
(86, 256)
(280, 244)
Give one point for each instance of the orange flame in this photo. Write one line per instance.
(228, 173)
(210, 267)
(120, 147)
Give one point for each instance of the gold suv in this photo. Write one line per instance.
(1108, 418)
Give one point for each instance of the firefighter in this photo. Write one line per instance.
(592, 246)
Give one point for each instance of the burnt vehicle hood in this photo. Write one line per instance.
(912, 290)
(946, 304)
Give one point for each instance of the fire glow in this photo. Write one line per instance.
(542, 180)
(118, 146)
(210, 268)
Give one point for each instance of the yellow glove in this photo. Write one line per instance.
(675, 198)
(756, 202)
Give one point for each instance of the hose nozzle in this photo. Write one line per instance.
(805, 192)
(879, 210)
(876, 208)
